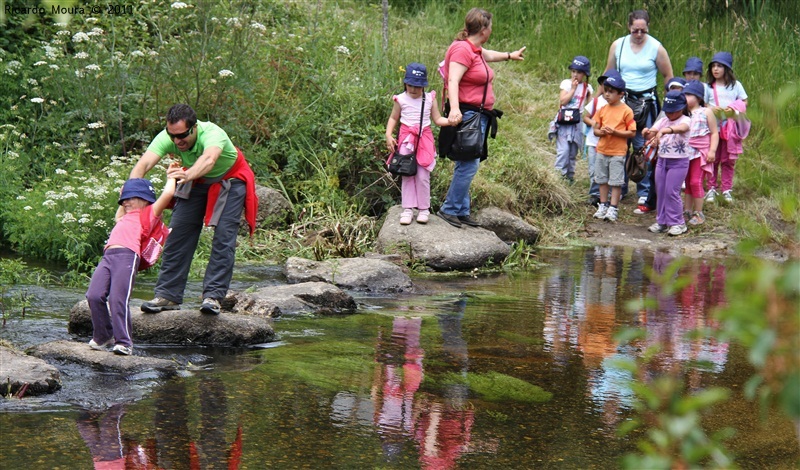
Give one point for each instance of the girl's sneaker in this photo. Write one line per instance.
(422, 217)
(122, 350)
(697, 218)
(658, 228)
(711, 195)
(727, 196)
(601, 211)
(676, 230)
(101, 347)
(406, 216)
(611, 214)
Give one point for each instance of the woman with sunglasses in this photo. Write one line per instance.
(215, 183)
(639, 58)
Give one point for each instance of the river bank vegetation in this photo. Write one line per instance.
(304, 89)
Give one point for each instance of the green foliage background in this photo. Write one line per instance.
(304, 87)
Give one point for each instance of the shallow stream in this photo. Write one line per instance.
(504, 371)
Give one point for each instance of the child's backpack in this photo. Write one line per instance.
(153, 238)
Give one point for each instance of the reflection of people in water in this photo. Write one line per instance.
(102, 433)
(397, 378)
(173, 446)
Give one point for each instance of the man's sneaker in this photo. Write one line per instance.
(210, 306)
(601, 211)
(422, 217)
(727, 196)
(611, 214)
(658, 228)
(677, 230)
(642, 209)
(101, 347)
(406, 216)
(159, 304)
(450, 219)
(711, 195)
(642, 200)
(465, 219)
(122, 350)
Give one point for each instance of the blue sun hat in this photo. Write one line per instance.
(138, 187)
(674, 101)
(694, 87)
(614, 80)
(724, 58)
(674, 81)
(693, 64)
(416, 75)
(581, 64)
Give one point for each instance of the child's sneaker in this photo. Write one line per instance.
(727, 196)
(101, 347)
(697, 218)
(676, 230)
(643, 209)
(711, 195)
(122, 350)
(406, 216)
(642, 200)
(422, 217)
(601, 211)
(658, 228)
(611, 214)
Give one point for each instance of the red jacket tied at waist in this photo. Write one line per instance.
(240, 170)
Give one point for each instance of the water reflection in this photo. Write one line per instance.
(583, 313)
(172, 446)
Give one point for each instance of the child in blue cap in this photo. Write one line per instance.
(410, 108)
(671, 135)
(111, 285)
(575, 93)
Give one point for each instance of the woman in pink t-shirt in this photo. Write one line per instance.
(468, 87)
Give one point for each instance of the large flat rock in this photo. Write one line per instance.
(81, 353)
(318, 298)
(183, 327)
(359, 274)
(18, 369)
(440, 245)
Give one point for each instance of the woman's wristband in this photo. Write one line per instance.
(509, 56)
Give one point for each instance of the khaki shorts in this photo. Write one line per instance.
(609, 170)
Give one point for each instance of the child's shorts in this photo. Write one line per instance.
(609, 170)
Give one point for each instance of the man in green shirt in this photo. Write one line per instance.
(207, 154)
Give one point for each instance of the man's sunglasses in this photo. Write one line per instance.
(182, 135)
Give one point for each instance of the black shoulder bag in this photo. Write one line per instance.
(405, 164)
(468, 141)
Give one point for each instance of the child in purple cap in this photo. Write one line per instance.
(110, 289)
(408, 108)
(727, 99)
(703, 140)
(574, 94)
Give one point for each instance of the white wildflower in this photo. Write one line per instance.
(137, 53)
(95, 32)
(343, 50)
(334, 144)
(153, 53)
(63, 32)
(70, 195)
(60, 24)
(49, 203)
(81, 55)
(94, 67)
(32, 82)
(54, 66)
(224, 73)
(84, 220)
(37, 100)
(79, 74)
(179, 5)
(96, 125)
(41, 62)
(21, 198)
(50, 52)
(234, 22)
(298, 49)
(258, 26)
(67, 217)
(92, 20)
(99, 223)
(27, 208)
(59, 171)
(80, 37)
